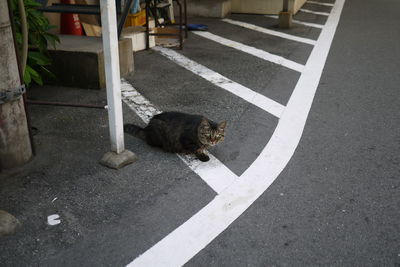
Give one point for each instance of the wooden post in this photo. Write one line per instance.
(15, 146)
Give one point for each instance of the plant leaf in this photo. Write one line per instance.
(27, 77)
(47, 73)
(34, 75)
(38, 40)
(39, 58)
(38, 79)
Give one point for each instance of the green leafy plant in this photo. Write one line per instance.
(38, 40)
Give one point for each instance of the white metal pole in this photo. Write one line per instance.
(113, 80)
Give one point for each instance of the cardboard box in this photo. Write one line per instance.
(168, 30)
(167, 40)
(137, 35)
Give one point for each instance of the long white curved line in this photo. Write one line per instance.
(187, 240)
(270, 32)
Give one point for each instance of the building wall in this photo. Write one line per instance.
(264, 6)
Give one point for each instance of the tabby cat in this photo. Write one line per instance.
(180, 133)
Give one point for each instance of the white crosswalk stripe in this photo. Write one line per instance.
(253, 51)
(319, 3)
(270, 32)
(308, 24)
(217, 79)
(314, 12)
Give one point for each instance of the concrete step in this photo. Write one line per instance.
(78, 61)
(209, 8)
(222, 8)
(264, 6)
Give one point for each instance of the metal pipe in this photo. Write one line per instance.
(185, 13)
(50, 103)
(113, 77)
(147, 24)
(123, 17)
(285, 6)
(24, 30)
(157, 23)
(180, 24)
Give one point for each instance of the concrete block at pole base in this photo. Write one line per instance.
(285, 20)
(116, 161)
(78, 61)
(8, 223)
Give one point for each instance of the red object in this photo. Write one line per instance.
(70, 23)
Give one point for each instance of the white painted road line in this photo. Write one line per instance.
(213, 172)
(314, 12)
(252, 51)
(187, 240)
(138, 103)
(217, 79)
(319, 3)
(309, 24)
(270, 32)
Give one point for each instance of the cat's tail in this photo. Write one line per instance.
(135, 131)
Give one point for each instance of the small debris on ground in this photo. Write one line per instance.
(53, 219)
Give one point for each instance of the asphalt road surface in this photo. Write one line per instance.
(308, 174)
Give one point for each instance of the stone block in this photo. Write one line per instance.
(78, 61)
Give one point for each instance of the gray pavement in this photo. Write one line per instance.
(336, 203)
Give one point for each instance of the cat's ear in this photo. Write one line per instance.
(205, 124)
(222, 125)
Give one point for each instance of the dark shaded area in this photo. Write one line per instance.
(108, 217)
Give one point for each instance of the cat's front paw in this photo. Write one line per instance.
(203, 157)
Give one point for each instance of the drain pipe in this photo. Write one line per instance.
(24, 30)
(63, 104)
